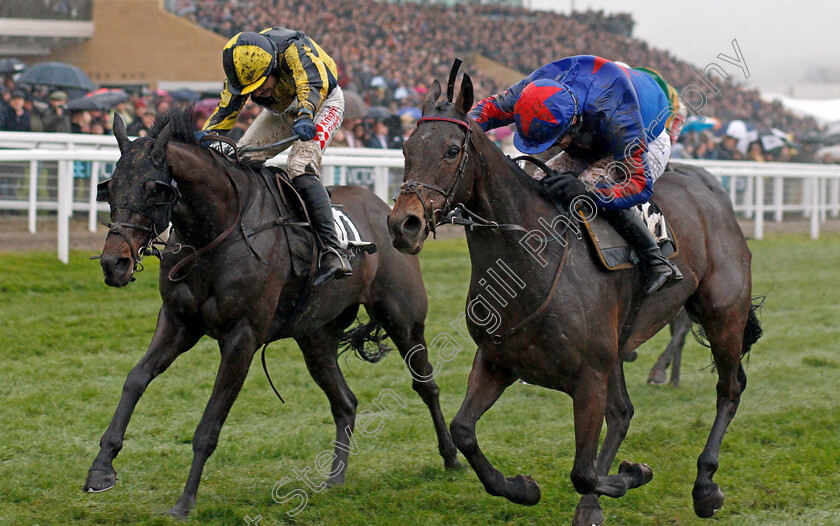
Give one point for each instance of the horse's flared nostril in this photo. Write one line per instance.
(122, 266)
(412, 225)
(117, 270)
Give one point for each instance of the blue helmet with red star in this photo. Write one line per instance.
(544, 111)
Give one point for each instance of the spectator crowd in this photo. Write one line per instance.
(390, 52)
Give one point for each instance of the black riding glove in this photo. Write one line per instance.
(305, 128)
(565, 187)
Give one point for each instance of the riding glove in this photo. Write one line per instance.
(565, 187)
(305, 128)
(199, 135)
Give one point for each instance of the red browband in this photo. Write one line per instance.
(445, 119)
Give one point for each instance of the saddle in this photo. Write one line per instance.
(293, 216)
(615, 253)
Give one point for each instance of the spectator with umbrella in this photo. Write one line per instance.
(55, 118)
(380, 138)
(80, 121)
(141, 126)
(15, 117)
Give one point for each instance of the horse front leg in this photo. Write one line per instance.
(171, 339)
(237, 349)
(619, 412)
(589, 402)
(486, 384)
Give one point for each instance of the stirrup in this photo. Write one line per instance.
(342, 257)
(671, 278)
(325, 274)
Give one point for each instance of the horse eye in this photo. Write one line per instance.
(453, 151)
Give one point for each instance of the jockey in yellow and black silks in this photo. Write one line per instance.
(296, 83)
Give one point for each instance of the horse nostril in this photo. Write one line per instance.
(412, 225)
(122, 266)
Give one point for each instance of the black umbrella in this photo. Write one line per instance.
(378, 112)
(57, 74)
(185, 94)
(10, 65)
(98, 101)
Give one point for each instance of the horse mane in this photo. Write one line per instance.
(183, 127)
(181, 123)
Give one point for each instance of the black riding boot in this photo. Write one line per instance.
(332, 263)
(658, 270)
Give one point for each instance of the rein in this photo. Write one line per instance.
(221, 237)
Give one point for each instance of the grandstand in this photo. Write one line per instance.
(387, 51)
(405, 45)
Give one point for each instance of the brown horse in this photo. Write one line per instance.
(243, 289)
(560, 320)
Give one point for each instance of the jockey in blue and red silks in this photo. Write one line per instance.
(610, 123)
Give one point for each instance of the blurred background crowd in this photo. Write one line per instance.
(388, 53)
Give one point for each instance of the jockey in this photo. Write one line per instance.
(296, 83)
(676, 120)
(610, 123)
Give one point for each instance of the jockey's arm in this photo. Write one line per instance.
(494, 112)
(622, 183)
(311, 78)
(224, 117)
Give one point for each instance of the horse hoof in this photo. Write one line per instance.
(522, 489)
(179, 512)
(335, 481)
(453, 465)
(588, 512)
(99, 480)
(709, 505)
(631, 357)
(636, 474)
(657, 377)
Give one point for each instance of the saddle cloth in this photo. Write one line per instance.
(348, 235)
(300, 238)
(615, 253)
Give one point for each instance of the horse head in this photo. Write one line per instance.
(141, 196)
(438, 174)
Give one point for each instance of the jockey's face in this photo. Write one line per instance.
(565, 140)
(266, 89)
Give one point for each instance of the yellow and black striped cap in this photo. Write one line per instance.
(248, 59)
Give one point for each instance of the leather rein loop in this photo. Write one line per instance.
(221, 237)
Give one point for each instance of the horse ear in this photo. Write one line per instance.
(119, 132)
(431, 97)
(464, 100)
(159, 146)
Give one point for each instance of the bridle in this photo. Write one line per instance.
(156, 227)
(429, 212)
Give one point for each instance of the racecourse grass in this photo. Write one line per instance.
(67, 341)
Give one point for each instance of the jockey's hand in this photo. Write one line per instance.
(305, 128)
(199, 135)
(565, 187)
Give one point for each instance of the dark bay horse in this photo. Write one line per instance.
(560, 320)
(244, 291)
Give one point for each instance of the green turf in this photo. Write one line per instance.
(67, 341)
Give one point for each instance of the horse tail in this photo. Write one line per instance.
(753, 330)
(365, 340)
